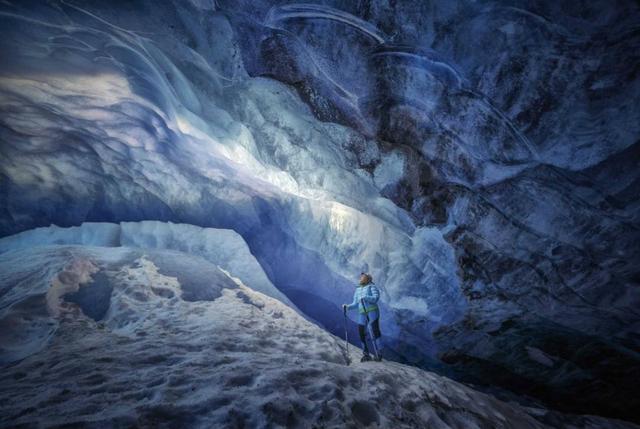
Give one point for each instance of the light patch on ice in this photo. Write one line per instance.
(539, 356)
(186, 127)
(437, 265)
(390, 170)
(238, 149)
(104, 88)
(416, 305)
(254, 169)
(340, 218)
(326, 225)
(607, 82)
(40, 175)
(509, 29)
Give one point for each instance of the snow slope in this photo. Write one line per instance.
(174, 350)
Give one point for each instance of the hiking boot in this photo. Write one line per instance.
(365, 357)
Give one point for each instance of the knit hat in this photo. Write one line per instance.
(368, 278)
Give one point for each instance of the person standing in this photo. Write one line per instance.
(365, 299)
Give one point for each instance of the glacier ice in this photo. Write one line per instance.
(480, 160)
(221, 247)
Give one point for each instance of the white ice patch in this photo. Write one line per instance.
(390, 170)
(539, 356)
(435, 258)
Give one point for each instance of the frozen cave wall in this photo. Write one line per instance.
(479, 158)
(221, 247)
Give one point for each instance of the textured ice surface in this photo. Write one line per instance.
(189, 153)
(224, 248)
(479, 158)
(242, 359)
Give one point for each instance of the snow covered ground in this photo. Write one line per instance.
(125, 336)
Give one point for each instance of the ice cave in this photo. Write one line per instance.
(207, 205)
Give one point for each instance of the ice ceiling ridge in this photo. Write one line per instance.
(427, 59)
(278, 14)
(387, 53)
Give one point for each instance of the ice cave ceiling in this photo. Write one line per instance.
(480, 158)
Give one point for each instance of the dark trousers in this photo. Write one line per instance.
(362, 331)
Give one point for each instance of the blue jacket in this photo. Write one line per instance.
(370, 293)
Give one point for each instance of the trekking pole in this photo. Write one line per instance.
(346, 333)
(373, 340)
